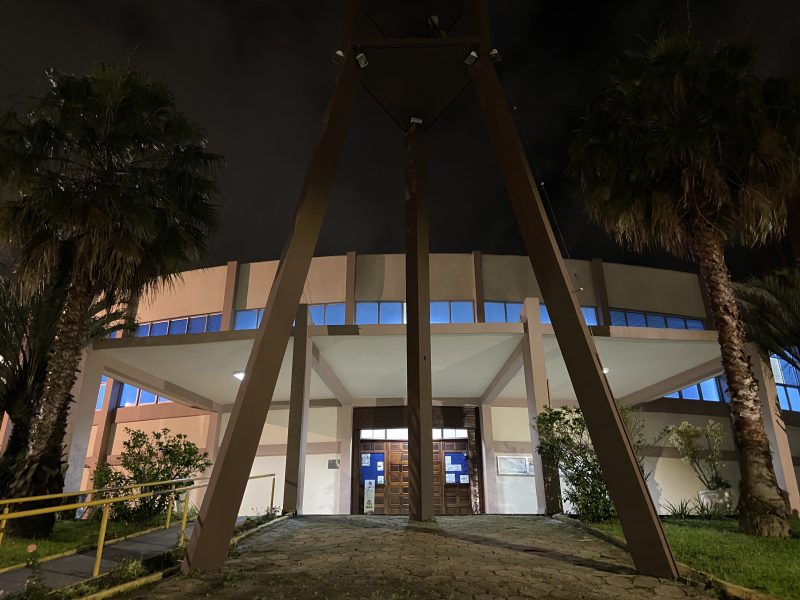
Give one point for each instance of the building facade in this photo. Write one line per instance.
(495, 364)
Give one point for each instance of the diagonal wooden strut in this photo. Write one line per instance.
(643, 531)
(418, 330)
(209, 543)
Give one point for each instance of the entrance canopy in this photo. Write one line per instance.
(366, 365)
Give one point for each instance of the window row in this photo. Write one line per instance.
(130, 395)
(511, 312)
(180, 326)
(710, 390)
(402, 434)
(634, 318)
(787, 380)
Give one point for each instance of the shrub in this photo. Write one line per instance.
(564, 439)
(145, 458)
(701, 449)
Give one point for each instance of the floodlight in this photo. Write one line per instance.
(338, 57)
(362, 60)
(239, 375)
(471, 58)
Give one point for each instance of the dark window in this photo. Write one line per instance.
(656, 321)
(695, 324)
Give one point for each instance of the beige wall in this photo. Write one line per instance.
(197, 292)
(194, 427)
(657, 290)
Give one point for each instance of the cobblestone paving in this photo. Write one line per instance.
(457, 557)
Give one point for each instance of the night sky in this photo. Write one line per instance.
(256, 75)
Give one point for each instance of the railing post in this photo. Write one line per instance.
(271, 499)
(101, 540)
(170, 502)
(184, 517)
(4, 523)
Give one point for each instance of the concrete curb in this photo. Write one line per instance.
(690, 575)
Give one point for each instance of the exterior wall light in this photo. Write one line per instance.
(361, 59)
(239, 375)
(471, 58)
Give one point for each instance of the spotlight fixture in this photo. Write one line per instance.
(471, 58)
(416, 120)
(362, 60)
(494, 55)
(606, 370)
(239, 375)
(338, 57)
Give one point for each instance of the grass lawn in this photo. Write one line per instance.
(717, 547)
(67, 535)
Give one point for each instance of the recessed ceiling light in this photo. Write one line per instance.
(239, 375)
(605, 370)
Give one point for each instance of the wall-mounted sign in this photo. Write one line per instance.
(369, 496)
(334, 463)
(515, 465)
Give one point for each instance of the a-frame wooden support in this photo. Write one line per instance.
(643, 531)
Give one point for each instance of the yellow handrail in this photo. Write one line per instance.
(107, 502)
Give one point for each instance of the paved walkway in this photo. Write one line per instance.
(488, 557)
(69, 570)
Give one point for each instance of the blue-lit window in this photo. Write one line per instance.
(494, 312)
(196, 324)
(143, 330)
(128, 395)
(146, 397)
(214, 322)
(633, 318)
(710, 390)
(334, 314)
(787, 381)
(544, 314)
(513, 312)
(101, 393)
(246, 319)
(317, 314)
(589, 315)
(159, 328)
(178, 326)
(162, 400)
(440, 312)
(461, 312)
(366, 313)
(391, 313)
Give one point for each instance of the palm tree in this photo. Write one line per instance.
(770, 309)
(688, 151)
(113, 184)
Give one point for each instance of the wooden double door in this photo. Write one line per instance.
(451, 476)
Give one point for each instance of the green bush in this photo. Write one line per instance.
(701, 449)
(145, 458)
(564, 439)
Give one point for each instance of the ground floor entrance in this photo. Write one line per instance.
(380, 461)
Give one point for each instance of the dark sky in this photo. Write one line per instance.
(256, 75)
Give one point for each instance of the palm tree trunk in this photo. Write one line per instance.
(762, 509)
(40, 470)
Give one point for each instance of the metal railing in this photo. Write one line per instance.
(173, 492)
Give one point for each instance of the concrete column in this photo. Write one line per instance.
(545, 474)
(775, 428)
(298, 415)
(477, 293)
(418, 330)
(229, 298)
(344, 433)
(212, 447)
(81, 417)
(350, 290)
(489, 462)
(601, 292)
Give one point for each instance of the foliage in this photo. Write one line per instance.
(110, 187)
(717, 547)
(145, 458)
(682, 509)
(564, 439)
(770, 309)
(701, 449)
(686, 134)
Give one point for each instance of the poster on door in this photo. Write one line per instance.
(369, 496)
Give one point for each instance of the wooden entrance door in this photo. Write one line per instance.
(391, 496)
